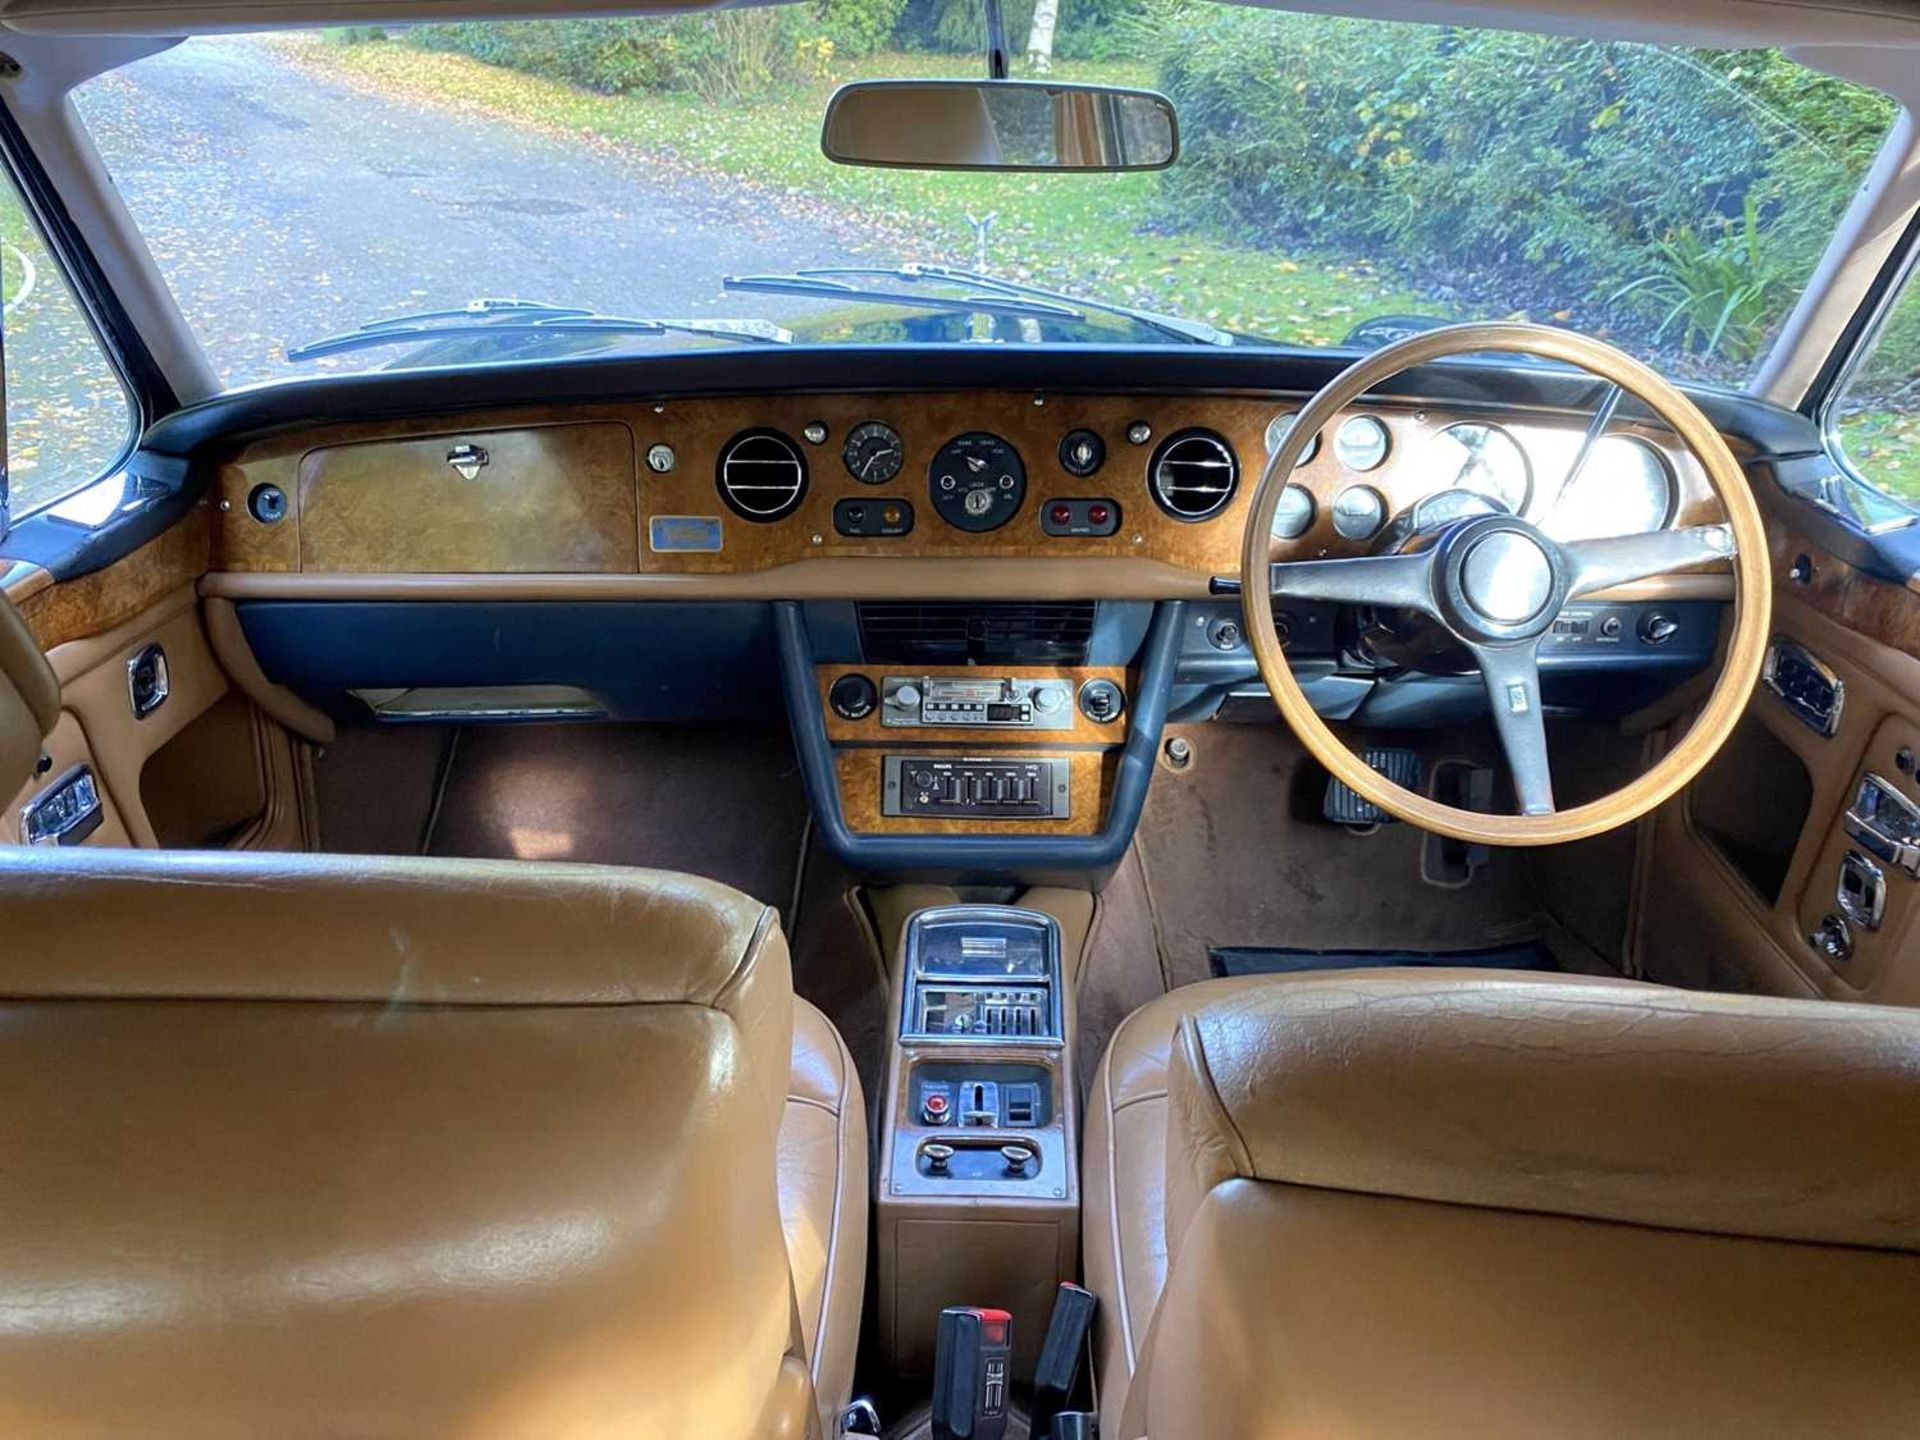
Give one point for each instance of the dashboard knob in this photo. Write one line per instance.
(1048, 698)
(1101, 701)
(1658, 627)
(852, 697)
(907, 697)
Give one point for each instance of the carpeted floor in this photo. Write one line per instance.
(723, 801)
(1235, 853)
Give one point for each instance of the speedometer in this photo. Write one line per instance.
(1625, 488)
(1486, 460)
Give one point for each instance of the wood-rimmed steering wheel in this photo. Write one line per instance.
(1495, 583)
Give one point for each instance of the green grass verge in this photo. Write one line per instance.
(1102, 234)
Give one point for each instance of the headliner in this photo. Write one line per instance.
(1723, 23)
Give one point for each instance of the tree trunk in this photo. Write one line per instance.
(1046, 13)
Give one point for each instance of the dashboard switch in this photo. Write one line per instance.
(936, 1102)
(1081, 518)
(1082, 452)
(1101, 701)
(853, 697)
(1657, 627)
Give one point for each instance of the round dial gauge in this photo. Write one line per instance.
(1293, 516)
(1277, 429)
(976, 481)
(1486, 460)
(1359, 511)
(1362, 442)
(1625, 488)
(873, 453)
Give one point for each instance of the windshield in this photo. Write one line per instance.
(484, 193)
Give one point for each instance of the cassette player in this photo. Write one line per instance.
(985, 703)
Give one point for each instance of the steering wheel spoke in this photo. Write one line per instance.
(1600, 564)
(1512, 675)
(1402, 582)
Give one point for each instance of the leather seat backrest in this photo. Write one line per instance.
(299, 1146)
(1411, 1206)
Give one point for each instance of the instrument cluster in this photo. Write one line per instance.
(1624, 485)
(977, 481)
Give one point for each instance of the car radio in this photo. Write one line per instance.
(990, 702)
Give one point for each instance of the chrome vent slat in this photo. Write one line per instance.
(762, 475)
(1184, 476)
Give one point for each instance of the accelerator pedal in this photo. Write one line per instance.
(1344, 805)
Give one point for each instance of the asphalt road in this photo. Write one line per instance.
(283, 207)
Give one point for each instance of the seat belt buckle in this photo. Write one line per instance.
(1058, 1371)
(972, 1371)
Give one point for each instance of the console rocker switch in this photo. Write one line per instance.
(972, 1363)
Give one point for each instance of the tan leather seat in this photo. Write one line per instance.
(823, 1202)
(1460, 1203)
(321, 1146)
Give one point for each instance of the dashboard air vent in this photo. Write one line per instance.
(761, 475)
(1009, 633)
(1193, 475)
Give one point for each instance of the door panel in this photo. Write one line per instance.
(66, 750)
(1701, 918)
(226, 775)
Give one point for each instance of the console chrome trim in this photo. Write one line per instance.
(949, 915)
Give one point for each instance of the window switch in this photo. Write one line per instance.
(1022, 1105)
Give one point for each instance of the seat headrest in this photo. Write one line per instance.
(29, 700)
(1737, 1115)
(83, 923)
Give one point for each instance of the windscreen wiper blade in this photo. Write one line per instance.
(492, 319)
(835, 283)
(984, 295)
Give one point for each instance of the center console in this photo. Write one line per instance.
(978, 1184)
(976, 739)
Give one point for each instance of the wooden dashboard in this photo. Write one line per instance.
(564, 501)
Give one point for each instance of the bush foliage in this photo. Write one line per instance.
(1623, 185)
(726, 56)
(1677, 197)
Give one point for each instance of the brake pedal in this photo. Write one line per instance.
(1345, 806)
(1444, 862)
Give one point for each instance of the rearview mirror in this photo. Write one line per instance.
(998, 125)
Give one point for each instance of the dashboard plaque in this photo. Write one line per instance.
(681, 534)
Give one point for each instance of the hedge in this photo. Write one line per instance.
(1606, 181)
